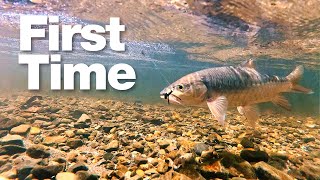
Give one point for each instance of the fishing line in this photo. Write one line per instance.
(157, 68)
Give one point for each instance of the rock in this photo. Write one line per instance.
(200, 147)
(11, 140)
(44, 172)
(112, 146)
(66, 176)
(162, 167)
(266, 172)
(11, 150)
(254, 156)
(69, 133)
(246, 143)
(74, 143)
(140, 160)
(163, 143)
(108, 156)
(80, 166)
(84, 119)
(137, 146)
(151, 171)
(121, 171)
(38, 151)
(311, 172)
(52, 140)
(77, 114)
(308, 138)
(21, 129)
(7, 124)
(3, 133)
(34, 131)
(140, 172)
(108, 126)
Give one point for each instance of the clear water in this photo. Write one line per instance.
(156, 62)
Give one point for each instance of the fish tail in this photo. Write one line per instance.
(294, 78)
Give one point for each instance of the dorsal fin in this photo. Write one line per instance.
(248, 63)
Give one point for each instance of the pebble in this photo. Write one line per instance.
(112, 146)
(12, 140)
(66, 176)
(254, 156)
(21, 129)
(38, 151)
(44, 172)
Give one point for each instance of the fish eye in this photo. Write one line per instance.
(180, 87)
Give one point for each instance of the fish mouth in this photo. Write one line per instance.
(166, 95)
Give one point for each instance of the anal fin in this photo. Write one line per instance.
(218, 108)
(282, 102)
(251, 113)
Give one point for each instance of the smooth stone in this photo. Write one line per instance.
(51, 140)
(137, 146)
(84, 119)
(80, 166)
(140, 172)
(310, 171)
(246, 143)
(11, 140)
(3, 133)
(7, 123)
(35, 131)
(266, 172)
(308, 138)
(11, 150)
(21, 129)
(254, 156)
(112, 146)
(163, 143)
(45, 172)
(38, 151)
(162, 167)
(66, 176)
(74, 143)
(200, 147)
(108, 156)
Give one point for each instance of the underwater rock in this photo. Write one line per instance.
(38, 151)
(12, 140)
(66, 176)
(7, 123)
(200, 147)
(308, 138)
(53, 140)
(44, 172)
(112, 146)
(254, 156)
(21, 129)
(246, 143)
(311, 172)
(80, 166)
(162, 167)
(11, 149)
(74, 143)
(266, 172)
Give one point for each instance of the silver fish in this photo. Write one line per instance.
(240, 86)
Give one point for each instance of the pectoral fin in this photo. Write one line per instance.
(251, 113)
(218, 108)
(282, 102)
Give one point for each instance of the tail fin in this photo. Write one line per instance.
(294, 78)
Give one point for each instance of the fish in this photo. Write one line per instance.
(242, 86)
